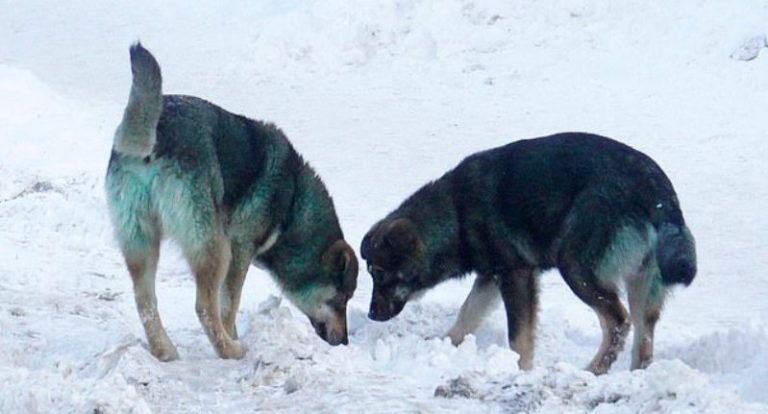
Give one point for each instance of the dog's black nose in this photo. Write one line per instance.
(378, 316)
(333, 339)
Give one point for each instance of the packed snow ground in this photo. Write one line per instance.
(381, 96)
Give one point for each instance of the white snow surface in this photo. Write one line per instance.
(381, 97)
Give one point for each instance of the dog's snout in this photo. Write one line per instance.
(378, 316)
(336, 337)
(333, 330)
(383, 306)
(380, 310)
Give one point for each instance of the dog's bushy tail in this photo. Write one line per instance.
(676, 254)
(136, 133)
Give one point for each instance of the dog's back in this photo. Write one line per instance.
(194, 134)
(535, 191)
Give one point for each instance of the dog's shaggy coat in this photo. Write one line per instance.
(229, 190)
(599, 211)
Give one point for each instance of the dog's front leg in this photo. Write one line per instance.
(519, 291)
(482, 300)
(233, 286)
(210, 267)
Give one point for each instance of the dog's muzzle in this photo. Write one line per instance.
(383, 308)
(334, 333)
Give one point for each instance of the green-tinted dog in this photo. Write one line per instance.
(229, 190)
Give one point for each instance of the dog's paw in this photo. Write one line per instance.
(456, 339)
(598, 367)
(165, 353)
(232, 350)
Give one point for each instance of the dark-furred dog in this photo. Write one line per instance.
(599, 211)
(229, 190)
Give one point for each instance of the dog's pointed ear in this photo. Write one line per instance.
(401, 235)
(340, 260)
(365, 246)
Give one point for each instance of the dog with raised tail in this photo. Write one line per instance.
(230, 191)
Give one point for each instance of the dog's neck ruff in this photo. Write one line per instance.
(269, 242)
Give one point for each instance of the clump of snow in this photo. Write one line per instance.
(458, 387)
(750, 48)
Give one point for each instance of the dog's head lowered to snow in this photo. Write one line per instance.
(325, 300)
(394, 253)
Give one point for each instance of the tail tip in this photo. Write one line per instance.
(676, 254)
(137, 50)
(686, 272)
(683, 271)
(145, 68)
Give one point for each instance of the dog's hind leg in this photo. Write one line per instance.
(138, 235)
(585, 242)
(209, 262)
(519, 291)
(646, 297)
(142, 265)
(605, 302)
(482, 299)
(233, 286)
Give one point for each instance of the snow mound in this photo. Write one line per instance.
(64, 392)
(666, 386)
(42, 131)
(738, 358)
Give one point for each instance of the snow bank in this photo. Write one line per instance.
(43, 131)
(62, 392)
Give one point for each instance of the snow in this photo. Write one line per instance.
(381, 96)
